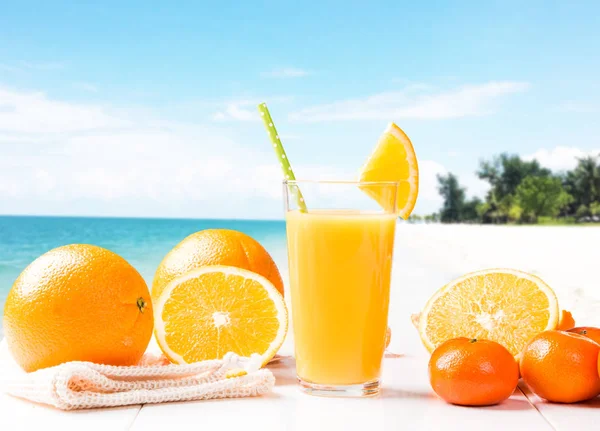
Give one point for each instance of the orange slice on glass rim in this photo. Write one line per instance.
(393, 159)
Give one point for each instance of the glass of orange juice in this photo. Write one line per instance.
(340, 261)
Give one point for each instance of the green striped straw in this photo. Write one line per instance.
(284, 162)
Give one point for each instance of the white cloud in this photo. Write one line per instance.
(429, 199)
(35, 113)
(96, 172)
(286, 72)
(75, 158)
(219, 116)
(560, 158)
(85, 86)
(71, 158)
(475, 186)
(166, 169)
(238, 111)
(414, 102)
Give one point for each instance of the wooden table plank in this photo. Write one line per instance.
(17, 414)
(567, 417)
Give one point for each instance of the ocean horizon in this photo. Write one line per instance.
(143, 242)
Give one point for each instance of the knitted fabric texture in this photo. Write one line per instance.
(83, 385)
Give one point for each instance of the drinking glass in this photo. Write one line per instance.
(340, 260)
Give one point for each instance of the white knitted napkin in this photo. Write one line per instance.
(82, 385)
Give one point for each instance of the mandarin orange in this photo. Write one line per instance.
(561, 366)
(473, 372)
(587, 331)
(78, 303)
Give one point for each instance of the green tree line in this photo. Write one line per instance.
(524, 192)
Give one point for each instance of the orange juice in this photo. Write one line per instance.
(340, 266)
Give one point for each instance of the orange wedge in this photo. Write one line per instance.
(214, 310)
(393, 159)
(502, 305)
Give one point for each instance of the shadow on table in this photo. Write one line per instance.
(591, 404)
(399, 393)
(516, 402)
(594, 403)
(200, 404)
(284, 371)
(284, 368)
(509, 404)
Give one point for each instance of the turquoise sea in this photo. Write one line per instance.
(143, 242)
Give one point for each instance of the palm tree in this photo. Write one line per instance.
(584, 181)
(454, 198)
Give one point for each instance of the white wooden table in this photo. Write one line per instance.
(407, 401)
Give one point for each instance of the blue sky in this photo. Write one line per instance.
(148, 109)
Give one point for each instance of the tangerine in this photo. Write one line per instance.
(473, 372)
(561, 366)
(587, 331)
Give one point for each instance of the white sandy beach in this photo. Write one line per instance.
(565, 257)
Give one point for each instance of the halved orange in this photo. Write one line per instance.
(393, 159)
(502, 305)
(213, 310)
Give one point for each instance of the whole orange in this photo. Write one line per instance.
(561, 366)
(473, 372)
(78, 303)
(587, 331)
(216, 247)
